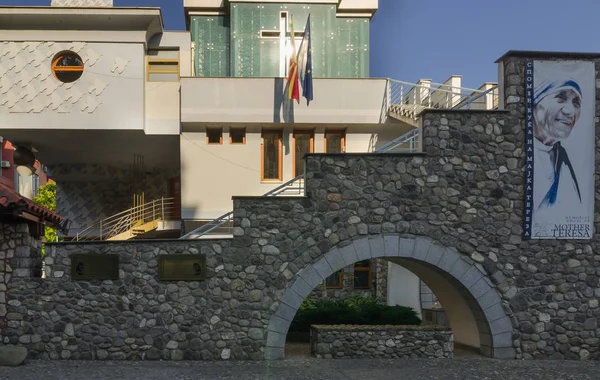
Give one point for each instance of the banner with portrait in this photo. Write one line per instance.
(560, 149)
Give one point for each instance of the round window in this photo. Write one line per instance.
(67, 67)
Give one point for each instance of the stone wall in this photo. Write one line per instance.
(557, 287)
(381, 342)
(137, 316)
(464, 195)
(381, 277)
(20, 258)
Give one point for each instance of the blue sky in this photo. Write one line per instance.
(412, 39)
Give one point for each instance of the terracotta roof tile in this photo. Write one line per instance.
(10, 199)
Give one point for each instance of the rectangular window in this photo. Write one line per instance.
(362, 275)
(35, 188)
(335, 281)
(272, 156)
(214, 136)
(335, 142)
(162, 65)
(237, 135)
(303, 143)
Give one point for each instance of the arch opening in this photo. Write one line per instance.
(471, 301)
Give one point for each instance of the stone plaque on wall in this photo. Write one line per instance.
(181, 267)
(94, 267)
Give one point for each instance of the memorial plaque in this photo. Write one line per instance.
(94, 267)
(181, 267)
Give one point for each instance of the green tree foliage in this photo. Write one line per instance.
(47, 197)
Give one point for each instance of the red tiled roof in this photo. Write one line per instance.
(10, 199)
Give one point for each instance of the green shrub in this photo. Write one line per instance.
(356, 310)
(47, 197)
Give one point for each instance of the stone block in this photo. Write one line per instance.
(500, 326)
(279, 325)
(504, 353)
(286, 312)
(274, 353)
(421, 250)
(459, 268)
(292, 299)
(377, 247)
(23, 252)
(363, 249)
(348, 254)
(323, 268)
(310, 275)
(334, 258)
(471, 277)
(486, 351)
(275, 339)
(22, 272)
(12, 356)
(503, 340)
(391, 244)
(448, 259)
(489, 299)
(435, 254)
(301, 287)
(480, 288)
(485, 339)
(494, 312)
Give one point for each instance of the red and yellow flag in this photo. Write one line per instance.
(292, 80)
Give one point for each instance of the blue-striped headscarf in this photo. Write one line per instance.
(551, 87)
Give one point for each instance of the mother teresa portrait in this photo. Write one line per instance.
(563, 129)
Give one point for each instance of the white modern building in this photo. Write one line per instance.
(149, 133)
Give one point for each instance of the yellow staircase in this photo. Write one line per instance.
(138, 228)
(129, 224)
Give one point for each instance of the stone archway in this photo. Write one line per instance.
(452, 273)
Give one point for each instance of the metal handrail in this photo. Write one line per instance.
(138, 212)
(410, 99)
(469, 101)
(410, 138)
(286, 186)
(436, 85)
(227, 219)
(211, 226)
(124, 221)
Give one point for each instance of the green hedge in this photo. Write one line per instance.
(357, 310)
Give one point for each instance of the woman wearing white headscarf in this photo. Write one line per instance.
(557, 107)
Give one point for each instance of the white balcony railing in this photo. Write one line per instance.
(407, 100)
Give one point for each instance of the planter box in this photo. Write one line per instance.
(351, 341)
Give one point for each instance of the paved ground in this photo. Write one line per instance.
(307, 369)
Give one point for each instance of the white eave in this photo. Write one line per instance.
(121, 19)
(345, 8)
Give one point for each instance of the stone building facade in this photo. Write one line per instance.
(452, 215)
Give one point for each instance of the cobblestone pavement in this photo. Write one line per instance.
(306, 369)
